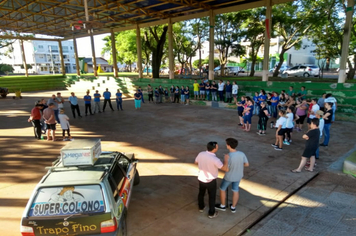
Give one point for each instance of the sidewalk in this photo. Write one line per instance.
(325, 206)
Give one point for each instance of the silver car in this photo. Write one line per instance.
(303, 70)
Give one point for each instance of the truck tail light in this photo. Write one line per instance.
(309, 69)
(108, 226)
(27, 231)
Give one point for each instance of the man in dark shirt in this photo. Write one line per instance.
(311, 146)
(202, 90)
(35, 119)
(228, 92)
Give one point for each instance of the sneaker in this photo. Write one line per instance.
(323, 145)
(233, 210)
(201, 210)
(290, 140)
(71, 139)
(219, 207)
(273, 145)
(262, 133)
(278, 149)
(258, 133)
(286, 143)
(213, 216)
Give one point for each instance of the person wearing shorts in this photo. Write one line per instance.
(247, 114)
(202, 90)
(196, 89)
(301, 114)
(236, 160)
(50, 121)
(311, 146)
(281, 129)
(235, 90)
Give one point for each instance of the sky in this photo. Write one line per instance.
(84, 48)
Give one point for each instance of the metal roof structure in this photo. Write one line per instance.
(65, 18)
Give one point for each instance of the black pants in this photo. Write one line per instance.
(88, 106)
(211, 187)
(64, 132)
(37, 128)
(176, 97)
(150, 97)
(75, 108)
(221, 95)
(107, 101)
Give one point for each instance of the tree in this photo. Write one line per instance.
(27, 65)
(253, 31)
(6, 68)
(291, 21)
(227, 32)
(155, 39)
(200, 31)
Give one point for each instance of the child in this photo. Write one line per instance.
(156, 95)
(263, 118)
(63, 118)
(289, 126)
(182, 94)
(248, 111)
(186, 92)
(281, 129)
(166, 95)
(311, 146)
(240, 109)
(141, 94)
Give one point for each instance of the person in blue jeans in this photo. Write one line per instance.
(274, 104)
(207, 90)
(256, 105)
(186, 92)
(327, 123)
(182, 94)
(119, 100)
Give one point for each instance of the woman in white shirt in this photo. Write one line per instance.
(235, 88)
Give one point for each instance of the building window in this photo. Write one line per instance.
(53, 48)
(40, 56)
(44, 68)
(74, 67)
(71, 48)
(65, 48)
(40, 46)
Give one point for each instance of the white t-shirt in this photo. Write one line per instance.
(281, 121)
(60, 105)
(221, 86)
(235, 89)
(209, 166)
(314, 109)
(289, 123)
(64, 122)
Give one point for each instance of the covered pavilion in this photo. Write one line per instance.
(71, 19)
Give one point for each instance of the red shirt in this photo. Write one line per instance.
(309, 109)
(35, 113)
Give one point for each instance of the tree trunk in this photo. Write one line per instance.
(352, 69)
(281, 60)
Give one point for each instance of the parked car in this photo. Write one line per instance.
(303, 70)
(281, 70)
(164, 70)
(4, 92)
(82, 199)
(235, 70)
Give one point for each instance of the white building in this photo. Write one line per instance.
(43, 56)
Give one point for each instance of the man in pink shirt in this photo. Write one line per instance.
(209, 165)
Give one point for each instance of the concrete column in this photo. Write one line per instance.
(24, 58)
(346, 41)
(171, 64)
(93, 53)
(61, 57)
(211, 45)
(113, 49)
(268, 24)
(76, 55)
(139, 52)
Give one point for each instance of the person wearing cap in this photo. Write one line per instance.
(97, 102)
(35, 119)
(73, 100)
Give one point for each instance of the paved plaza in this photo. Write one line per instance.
(166, 139)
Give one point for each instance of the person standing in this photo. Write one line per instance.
(65, 125)
(327, 123)
(171, 90)
(141, 93)
(289, 125)
(311, 145)
(182, 94)
(214, 91)
(247, 115)
(237, 160)
(314, 108)
(319, 114)
(291, 91)
(281, 129)
(176, 95)
(228, 92)
(157, 95)
(321, 101)
(207, 90)
(186, 92)
(138, 98)
(209, 165)
(119, 100)
(235, 90)
(240, 108)
(161, 93)
(97, 97)
(302, 94)
(150, 93)
(35, 119)
(53, 100)
(301, 114)
(221, 87)
(87, 102)
(60, 101)
(202, 90)
(50, 121)
(107, 99)
(330, 98)
(73, 100)
(196, 89)
(262, 119)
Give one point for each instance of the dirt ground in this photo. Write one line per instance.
(166, 139)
